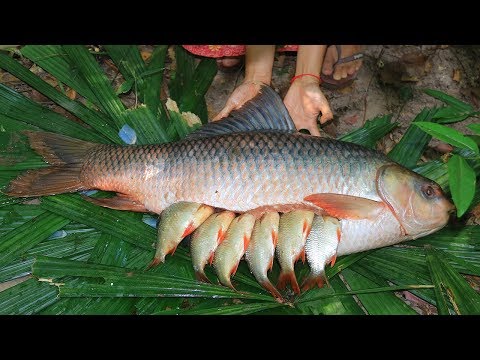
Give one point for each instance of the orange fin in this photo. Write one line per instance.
(234, 269)
(246, 241)
(172, 251)
(339, 234)
(189, 229)
(274, 238)
(210, 259)
(221, 236)
(306, 229)
(67, 156)
(301, 256)
(269, 286)
(332, 260)
(119, 202)
(200, 275)
(311, 281)
(270, 265)
(346, 206)
(154, 263)
(288, 277)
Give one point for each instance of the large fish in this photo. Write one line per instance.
(252, 161)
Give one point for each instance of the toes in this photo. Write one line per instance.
(330, 59)
(340, 72)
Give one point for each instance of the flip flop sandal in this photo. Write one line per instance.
(329, 82)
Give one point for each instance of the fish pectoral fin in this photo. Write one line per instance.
(346, 206)
(119, 202)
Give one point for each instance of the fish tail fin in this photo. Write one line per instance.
(65, 154)
(272, 289)
(288, 277)
(200, 275)
(313, 280)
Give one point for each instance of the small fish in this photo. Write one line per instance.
(321, 249)
(206, 239)
(293, 231)
(230, 251)
(261, 250)
(176, 222)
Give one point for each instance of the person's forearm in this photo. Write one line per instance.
(259, 63)
(310, 60)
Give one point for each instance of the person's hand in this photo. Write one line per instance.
(305, 101)
(240, 96)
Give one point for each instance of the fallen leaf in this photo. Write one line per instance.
(456, 75)
(72, 94)
(414, 58)
(51, 80)
(146, 55)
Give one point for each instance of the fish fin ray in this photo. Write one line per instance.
(65, 154)
(119, 202)
(347, 206)
(200, 275)
(267, 285)
(265, 111)
(288, 277)
(313, 280)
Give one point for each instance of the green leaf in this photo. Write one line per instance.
(153, 78)
(121, 224)
(474, 128)
(381, 303)
(449, 100)
(26, 236)
(371, 132)
(125, 87)
(450, 114)
(97, 81)
(243, 309)
(96, 120)
(450, 286)
(147, 127)
(29, 297)
(462, 183)
(411, 146)
(55, 60)
(26, 111)
(123, 282)
(449, 135)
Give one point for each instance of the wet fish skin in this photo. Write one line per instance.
(293, 231)
(261, 250)
(206, 239)
(321, 249)
(230, 251)
(251, 162)
(176, 222)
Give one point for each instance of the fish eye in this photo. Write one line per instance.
(428, 191)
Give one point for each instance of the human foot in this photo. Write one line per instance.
(229, 64)
(341, 65)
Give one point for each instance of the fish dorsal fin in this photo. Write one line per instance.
(265, 111)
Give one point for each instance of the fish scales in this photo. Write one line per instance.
(238, 172)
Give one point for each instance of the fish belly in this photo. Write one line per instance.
(361, 235)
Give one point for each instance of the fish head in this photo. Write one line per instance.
(418, 203)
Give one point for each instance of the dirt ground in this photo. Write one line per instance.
(390, 82)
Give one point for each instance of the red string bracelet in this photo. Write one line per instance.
(299, 76)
